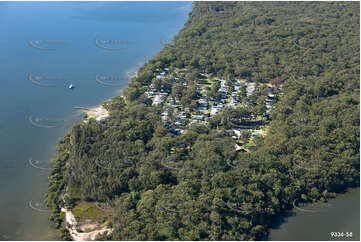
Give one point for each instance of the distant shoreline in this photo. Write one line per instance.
(285, 220)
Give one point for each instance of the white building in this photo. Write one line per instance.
(198, 117)
(158, 99)
(251, 86)
(237, 132)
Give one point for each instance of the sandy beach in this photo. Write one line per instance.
(99, 113)
(71, 225)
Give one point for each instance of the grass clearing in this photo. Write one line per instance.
(250, 143)
(85, 211)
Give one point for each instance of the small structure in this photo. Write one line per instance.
(198, 117)
(251, 86)
(257, 133)
(164, 116)
(237, 132)
(159, 77)
(158, 99)
(239, 148)
(202, 104)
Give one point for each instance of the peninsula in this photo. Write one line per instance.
(252, 106)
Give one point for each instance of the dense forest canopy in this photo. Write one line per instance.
(195, 186)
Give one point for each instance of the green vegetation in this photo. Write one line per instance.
(86, 210)
(195, 186)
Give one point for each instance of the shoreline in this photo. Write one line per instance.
(294, 216)
(99, 114)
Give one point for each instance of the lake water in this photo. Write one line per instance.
(316, 222)
(44, 47)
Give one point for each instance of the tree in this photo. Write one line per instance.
(276, 81)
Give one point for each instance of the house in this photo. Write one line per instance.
(159, 77)
(222, 89)
(198, 117)
(223, 83)
(271, 95)
(158, 99)
(164, 116)
(251, 86)
(268, 108)
(202, 104)
(179, 131)
(224, 95)
(215, 109)
(237, 132)
(233, 103)
(257, 133)
(177, 123)
(268, 105)
(173, 106)
(220, 101)
(180, 118)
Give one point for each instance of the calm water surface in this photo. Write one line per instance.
(316, 222)
(110, 40)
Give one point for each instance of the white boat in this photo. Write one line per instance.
(71, 86)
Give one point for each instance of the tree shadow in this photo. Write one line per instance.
(278, 220)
